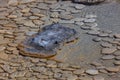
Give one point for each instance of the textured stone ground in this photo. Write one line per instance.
(95, 56)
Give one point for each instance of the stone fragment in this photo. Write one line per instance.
(117, 35)
(106, 45)
(66, 21)
(96, 64)
(92, 71)
(12, 16)
(72, 77)
(89, 2)
(4, 56)
(89, 20)
(90, 16)
(38, 22)
(108, 50)
(30, 33)
(54, 15)
(13, 2)
(117, 63)
(25, 10)
(26, 1)
(117, 53)
(117, 57)
(18, 74)
(97, 39)
(85, 78)
(79, 72)
(93, 32)
(112, 69)
(98, 78)
(103, 35)
(108, 57)
(79, 23)
(29, 23)
(2, 48)
(66, 17)
(79, 7)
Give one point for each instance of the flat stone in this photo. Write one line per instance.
(66, 21)
(103, 35)
(80, 6)
(33, 17)
(57, 75)
(93, 32)
(25, 10)
(98, 78)
(96, 64)
(92, 71)
(85, 78)
(108, 57)
(79, 19)
(113, 69)
(13, 2)
(108, 50)
(79, 23)
(79, 72)
(12, 16)
(106, 45)
(89, 20)
(3, 41)
(29, 23)
(85, 27)
(72, 77)
(26, 1)
(4, 56)
(88, 1)
(117, 62)
(90, 16)
(117, 35)
(2, 48)
(38, 22)
(30, 33)
(117, 57)
(18, 74)
(39, 69)
(66, 17)
(97, 39)
(117, 53)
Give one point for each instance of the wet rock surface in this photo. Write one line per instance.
(45, 43)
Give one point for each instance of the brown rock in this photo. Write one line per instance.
(117, 62)
(112, 69)
(25, 10)
(12, 16)
(79, 72)
(98, 78)
(108, 50)
(3, 56)
(117, 53)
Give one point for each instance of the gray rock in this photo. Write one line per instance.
(92, 71)
(108, 57)
(79, 7)
(108, 50)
